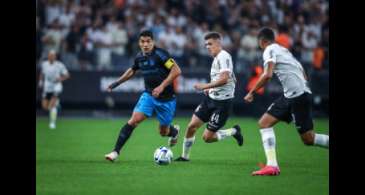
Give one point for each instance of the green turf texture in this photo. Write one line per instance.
(70, 161)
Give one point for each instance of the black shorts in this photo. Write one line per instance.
(49, 95)
(298, 109)
(215, 112)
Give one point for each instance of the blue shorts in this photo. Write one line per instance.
(165, 111)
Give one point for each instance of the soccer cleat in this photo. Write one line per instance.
(52, 125)
(267, 170)
(182, 159)
(238, 135)
(111, 156)
(173, 140)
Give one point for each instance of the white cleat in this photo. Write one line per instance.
(173, 140)
(111, 156)
(52, 125)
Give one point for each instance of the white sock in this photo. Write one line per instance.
(268, 140)
(221, 134)
(53, 115)
(188, 143)
(321, 140)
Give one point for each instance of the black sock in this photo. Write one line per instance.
(124, 134)
(173, 131)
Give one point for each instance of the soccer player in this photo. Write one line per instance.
(294, 105)
(53, 73)
(215, 107)
(159, 71)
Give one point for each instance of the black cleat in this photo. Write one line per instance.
(182, 159)
(238, 135)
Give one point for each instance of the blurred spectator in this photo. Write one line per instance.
(53, 10)
(179, 42)
(86, 54)
(318, 57)
(176, 18)
(305, 23)
(309, 42)
(67, 17)
(39, 44)
(249, 46)
(103, 41)
(119, 42)
(203, 57)
(283, 37)
(71, 47)
(158, 27)
(52, 38)
(256, 72)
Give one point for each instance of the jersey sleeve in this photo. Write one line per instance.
(225, 63)
(166, 60)
(269, 55)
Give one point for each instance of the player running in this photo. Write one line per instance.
(215, 107)
(53, 73)
(294, 105)
(159, 70)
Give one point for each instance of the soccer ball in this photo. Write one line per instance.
(163, 156)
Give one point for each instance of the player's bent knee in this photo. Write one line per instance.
(134, 122)
(262, 124)
(308, 138)
(308, 142)
(207, 139)
(164, 132)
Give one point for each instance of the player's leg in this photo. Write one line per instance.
(302, 115)
(165, 112)
(220, 114)
(279, 110)
(53, 111)
(45, 103)
(189, 139)
(210, 136)
(200, 116)
(266, 124)
(142, 110)
(310, 138)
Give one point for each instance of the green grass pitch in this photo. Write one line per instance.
(70, 161)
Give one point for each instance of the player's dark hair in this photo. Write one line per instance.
(212, 35)
(146, 33)
(266, 34)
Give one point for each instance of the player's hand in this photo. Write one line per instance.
(109, 89)
(248, 98)
(157, 91)
(199, 86)
(59, 79)
(206, 91)
(112, 86)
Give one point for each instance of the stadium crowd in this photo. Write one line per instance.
(102, 34)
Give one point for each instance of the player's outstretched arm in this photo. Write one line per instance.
(223, 79)
(264, 78)
(174, 73)
(125, 77)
